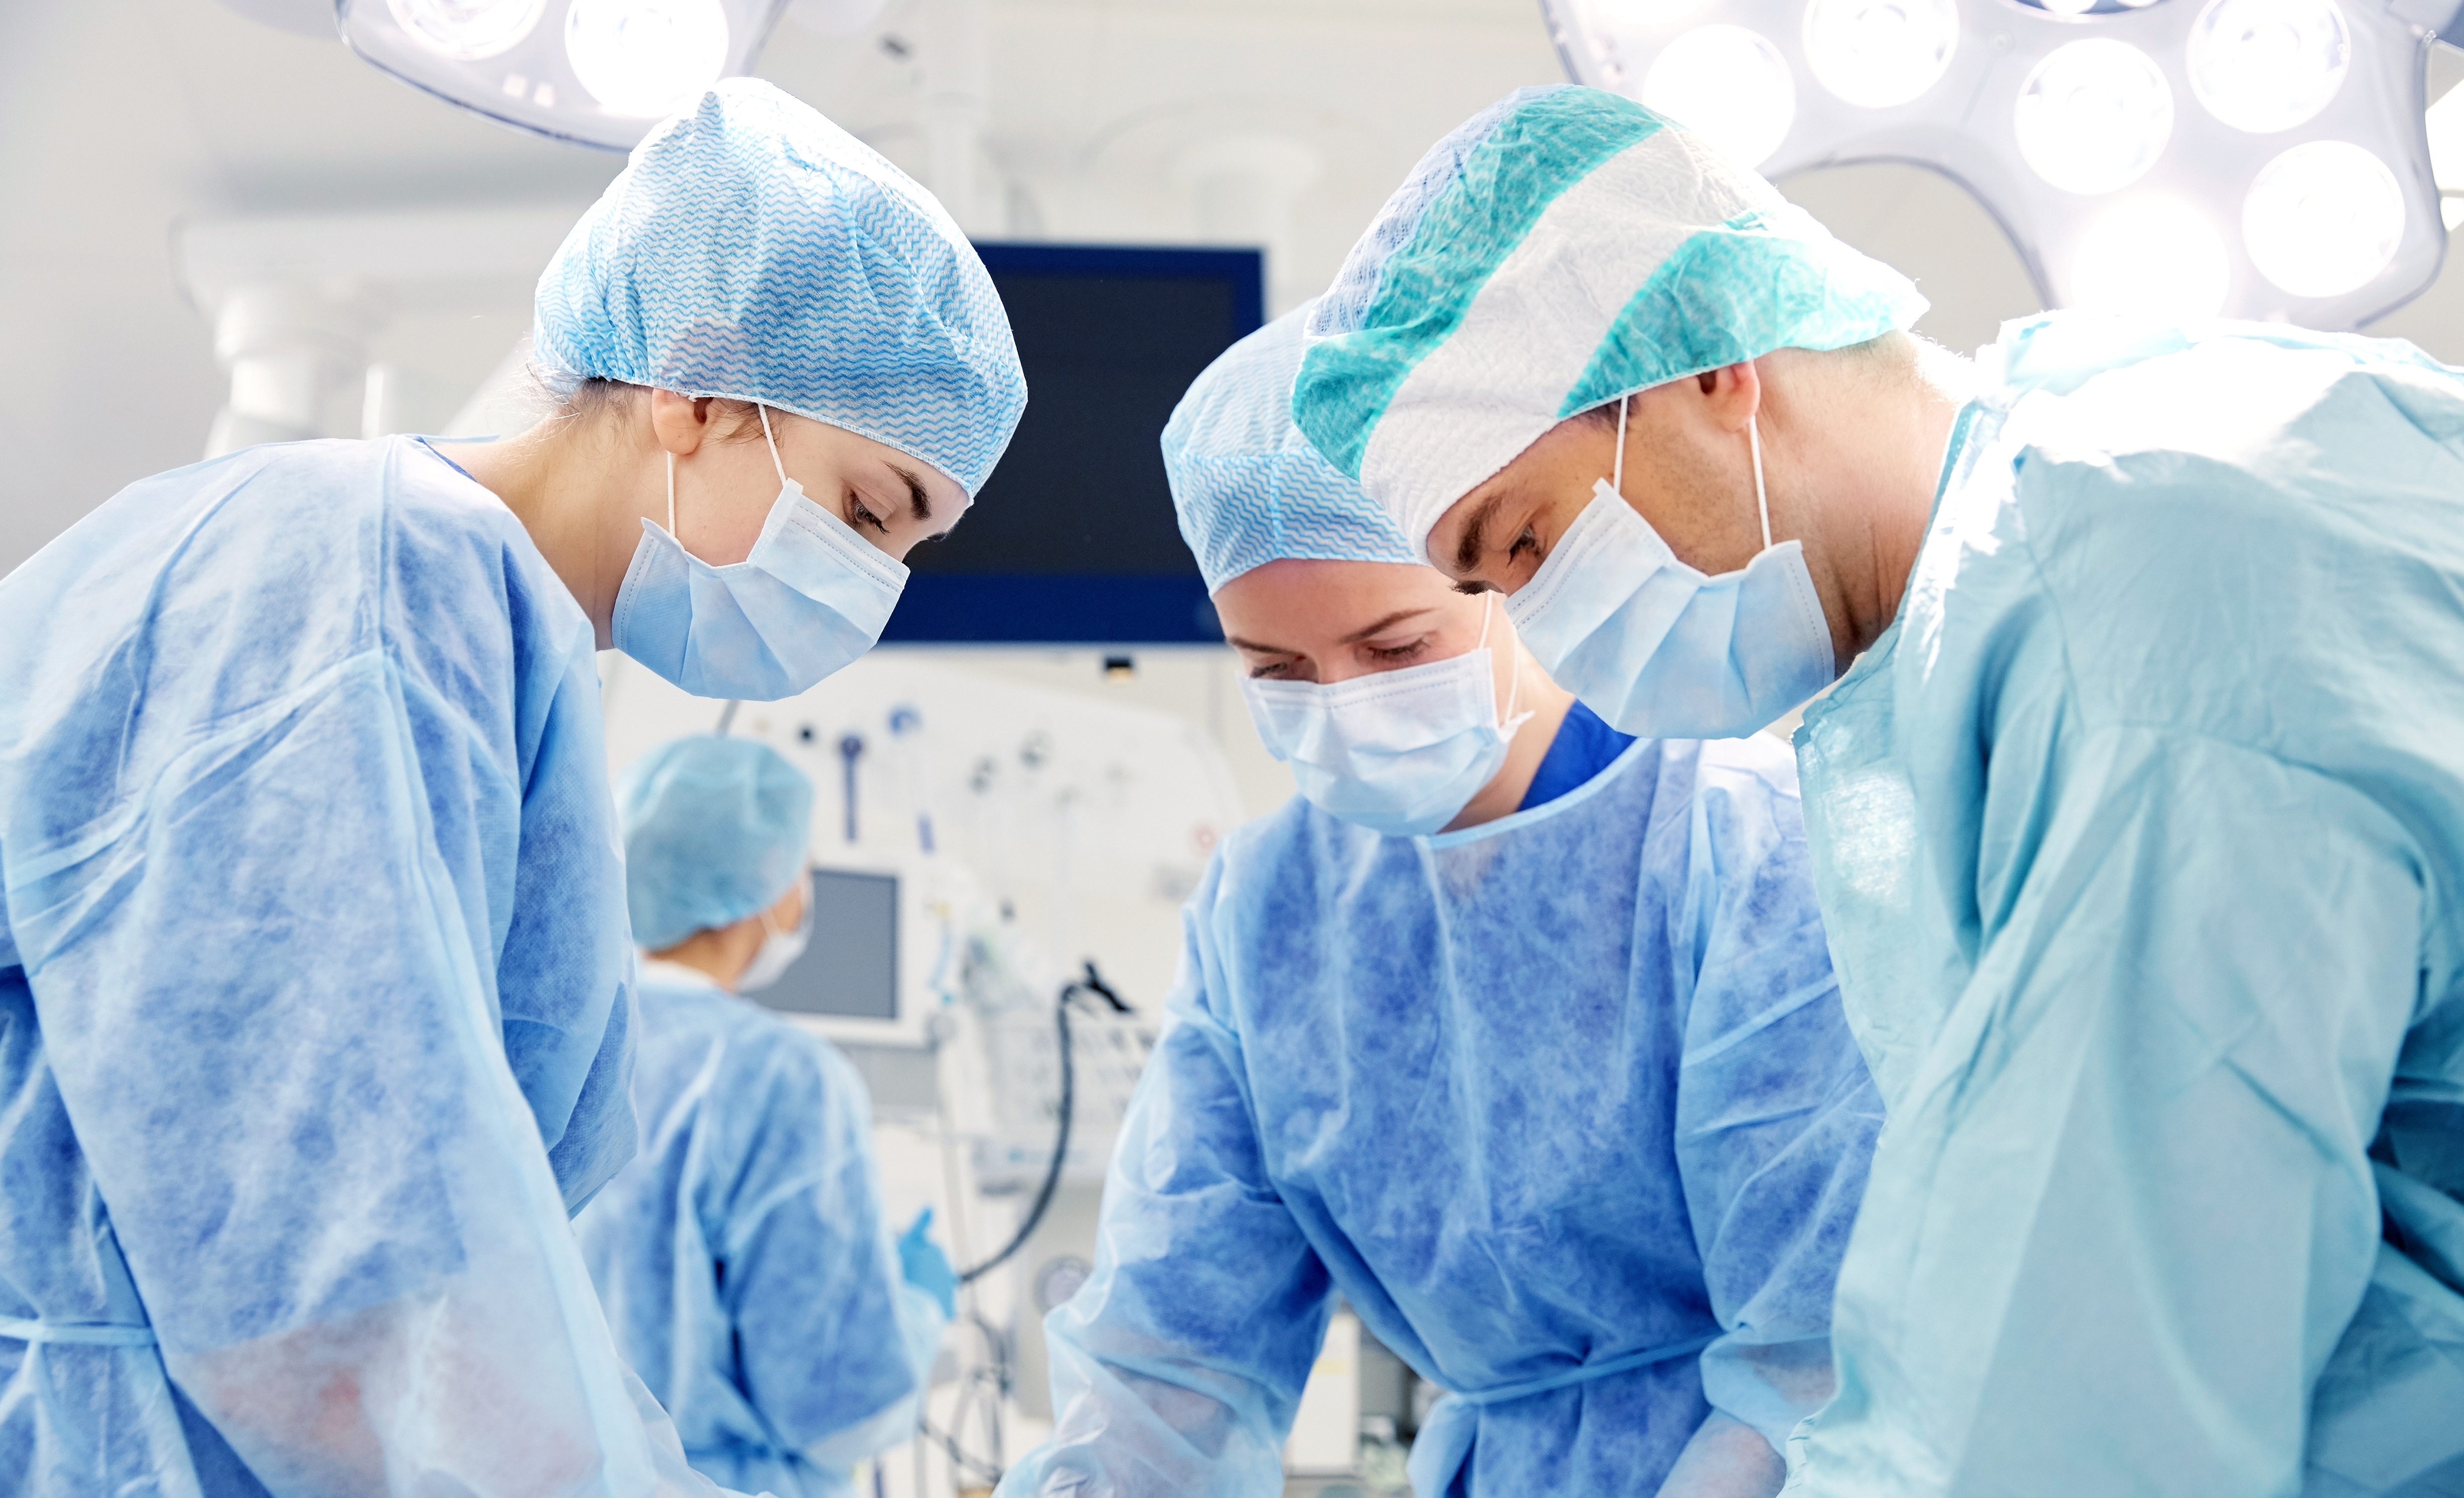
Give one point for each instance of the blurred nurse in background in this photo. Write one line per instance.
(743, 1260)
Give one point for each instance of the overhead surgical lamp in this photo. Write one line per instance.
(2259, 159)
(596, 71)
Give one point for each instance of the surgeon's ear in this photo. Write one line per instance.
(681, 423)
(1731, 394)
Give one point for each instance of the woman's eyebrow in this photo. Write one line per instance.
(1240, 644)
(1383, 624)
(918, 502)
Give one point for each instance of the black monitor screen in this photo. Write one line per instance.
(1073, 538)
(850, 967)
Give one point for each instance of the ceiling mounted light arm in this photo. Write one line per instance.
(2257, 159)
(594, 72)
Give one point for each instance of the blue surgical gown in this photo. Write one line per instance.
(747, 1269)
(2141, 841)
(1564, 1106)
(313, 997)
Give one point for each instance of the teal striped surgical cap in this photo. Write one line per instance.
(1562, 248)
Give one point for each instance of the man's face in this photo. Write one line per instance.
(1688, 473)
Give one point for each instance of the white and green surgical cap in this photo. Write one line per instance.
(753, 250)
(715, 830)
(1562, 248)
(1247, 486)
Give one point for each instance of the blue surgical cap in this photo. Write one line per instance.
(715, 830)
(1562, 248)
(754, 251)
(1248, 487)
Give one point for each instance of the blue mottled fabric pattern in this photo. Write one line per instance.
(1535, 1097)
(314, 996)
(746, 1267)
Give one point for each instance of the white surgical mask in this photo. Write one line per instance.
(1661, 649)
(1401, 752)
(812, 596)
(778, 951)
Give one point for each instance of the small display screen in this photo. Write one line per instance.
(849, 969)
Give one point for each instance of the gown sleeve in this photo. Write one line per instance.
(1176, 1369)
(1776, 1113)
(834, 1347)
(2112, 1239)
(270, 999)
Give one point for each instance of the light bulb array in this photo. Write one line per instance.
(2184, 158)
(598, 72)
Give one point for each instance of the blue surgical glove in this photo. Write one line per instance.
(925, 1265)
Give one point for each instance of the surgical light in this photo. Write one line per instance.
(595, 72)
(2152, 256)
(2094, 116)
(1729, 83)
(2121, 143)
(1876, 54)
(2268, 65)
(646, 58)
(467, 29)
(2324, 218)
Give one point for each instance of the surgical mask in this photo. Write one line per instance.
(812, 596)
(778, 952)
(1661, 649)
(1400, 752)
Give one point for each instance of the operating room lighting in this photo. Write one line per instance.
(1880, 52)
(2094, 116)
(2152, 258)
(2324, 218)
(467, 30)
(646, 58)
(1729, 83)
(2268, 65)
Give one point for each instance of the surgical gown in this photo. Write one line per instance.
(1563, 1105)
(743, 1258)
(311, 935)
(2141, 842)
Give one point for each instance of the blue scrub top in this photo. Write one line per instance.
(2141, 840)
(1585, 745)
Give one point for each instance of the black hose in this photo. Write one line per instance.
(1094, 983)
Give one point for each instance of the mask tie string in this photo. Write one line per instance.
(1754, 436)
(1617, 472)
(1514, 686)
(782, 468)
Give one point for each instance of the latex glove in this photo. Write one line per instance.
(923, 1264)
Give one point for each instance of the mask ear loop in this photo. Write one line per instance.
(773, 447)
(1616, 470)
(1507, 722)
(671, 497)
(1754, 436)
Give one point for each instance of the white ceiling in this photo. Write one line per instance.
(124, 118)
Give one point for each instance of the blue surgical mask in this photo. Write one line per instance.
(1400, 752)
(812, 596)
(1661, 649)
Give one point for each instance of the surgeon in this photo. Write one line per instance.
(2138, 814)
(315, 974)
(1516, 1032)
(742, 1257)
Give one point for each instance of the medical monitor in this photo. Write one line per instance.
(858, 980)
(1073, 540)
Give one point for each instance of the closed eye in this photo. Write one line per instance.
(1397, 654)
